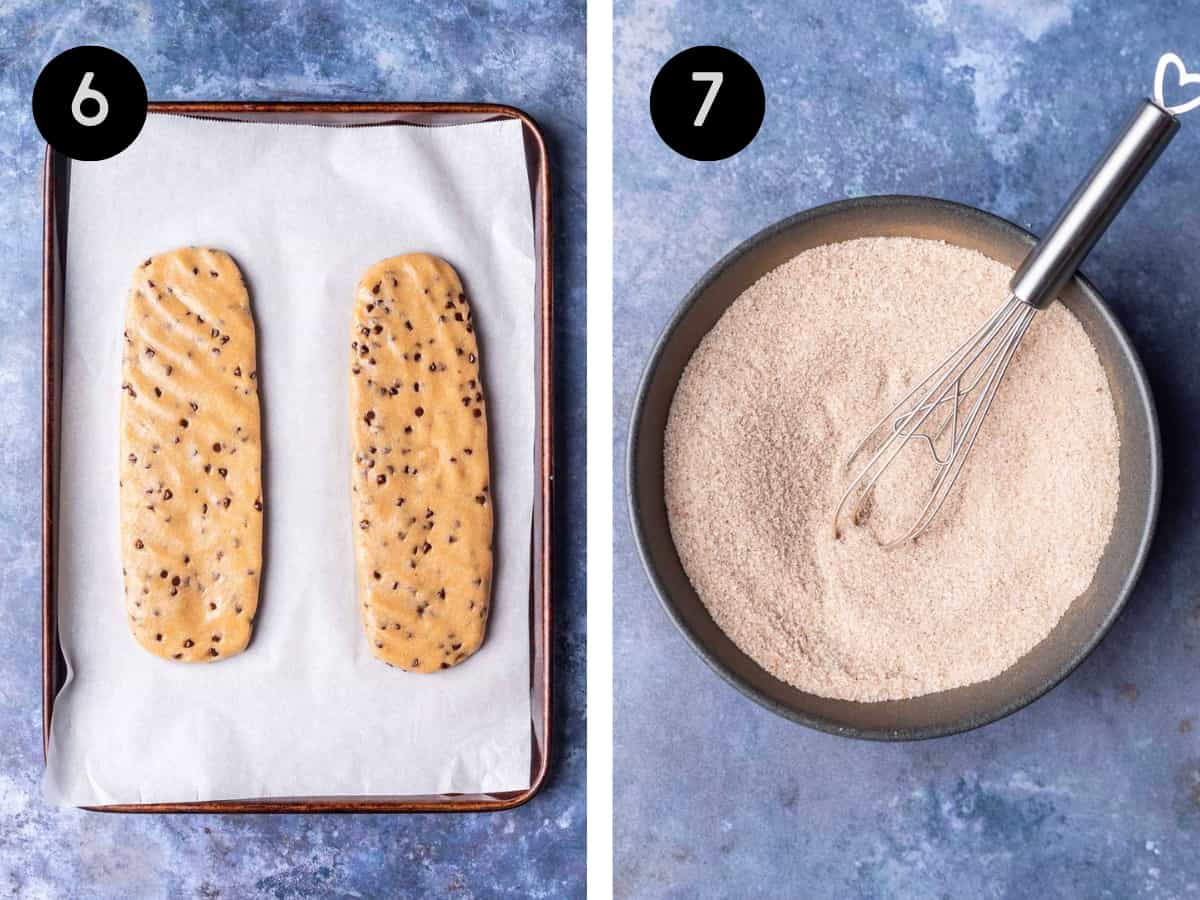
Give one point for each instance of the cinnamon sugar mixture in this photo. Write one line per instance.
(774, 400)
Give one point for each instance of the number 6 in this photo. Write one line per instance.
(716, 79)
(85, 92)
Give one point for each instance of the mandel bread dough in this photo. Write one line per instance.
(421, 494)
(191, 483)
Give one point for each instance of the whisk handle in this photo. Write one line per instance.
(1094, 204)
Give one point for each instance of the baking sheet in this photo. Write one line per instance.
(306, 710)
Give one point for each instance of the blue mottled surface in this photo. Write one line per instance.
(1093, 791)
(524, 53)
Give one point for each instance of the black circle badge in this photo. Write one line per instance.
(89, 103)
(707, 103)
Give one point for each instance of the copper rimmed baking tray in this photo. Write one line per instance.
(56, 188)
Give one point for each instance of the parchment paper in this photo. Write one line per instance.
(305, 710)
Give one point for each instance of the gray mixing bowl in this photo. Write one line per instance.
(1087, 619)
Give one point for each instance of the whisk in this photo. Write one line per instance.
(946, 410)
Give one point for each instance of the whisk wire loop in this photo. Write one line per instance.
(955, 381)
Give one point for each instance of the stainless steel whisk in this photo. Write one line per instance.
(946, 409)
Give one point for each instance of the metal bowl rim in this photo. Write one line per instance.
(821, 723)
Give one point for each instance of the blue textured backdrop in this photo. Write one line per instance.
(1094, 791)
(525, 53)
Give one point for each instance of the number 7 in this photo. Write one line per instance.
(716, 79)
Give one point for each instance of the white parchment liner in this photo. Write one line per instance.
(306, 710)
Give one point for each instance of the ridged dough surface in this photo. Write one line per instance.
(191, 482)
(421, 483)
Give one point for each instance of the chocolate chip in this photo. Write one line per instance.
(258, 505)
(189, 643)
(381, 479)
(216, 448)
(225, 502)
(212, 651)
(162, 574)
(167, 495)
(364, 524)
(138, 544)
(419, 411)
(222, 471)
(375, 290)
(175, 581)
